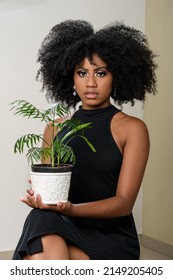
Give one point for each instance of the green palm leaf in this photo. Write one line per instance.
(59, 149)
(26, 109)
(36, 154)
(28, 140)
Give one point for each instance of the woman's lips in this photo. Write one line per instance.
(91, 95)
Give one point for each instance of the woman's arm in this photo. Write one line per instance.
(131, 135)
(134, 143)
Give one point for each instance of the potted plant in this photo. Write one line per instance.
(51, 181)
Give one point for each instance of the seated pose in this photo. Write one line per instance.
(95, 68)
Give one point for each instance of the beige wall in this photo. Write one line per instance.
(158, 114)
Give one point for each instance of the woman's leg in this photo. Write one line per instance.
(54, 248)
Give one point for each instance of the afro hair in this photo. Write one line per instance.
(124, 49)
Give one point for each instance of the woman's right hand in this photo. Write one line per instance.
(33, 200)
(30, 198)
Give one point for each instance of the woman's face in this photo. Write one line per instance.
(93, 83)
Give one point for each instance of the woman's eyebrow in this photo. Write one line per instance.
(98, 68)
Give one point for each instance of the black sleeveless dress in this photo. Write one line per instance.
(94, 177)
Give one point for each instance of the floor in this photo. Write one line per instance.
(146, 254)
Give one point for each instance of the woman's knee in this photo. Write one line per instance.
(76, 253)
(54, 248)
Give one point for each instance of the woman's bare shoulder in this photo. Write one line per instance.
(128, 123)
(126, 128)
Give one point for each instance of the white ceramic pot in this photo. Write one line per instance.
(53, 187)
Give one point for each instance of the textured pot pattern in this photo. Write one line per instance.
(52, 187)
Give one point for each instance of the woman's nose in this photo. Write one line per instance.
(91, 81)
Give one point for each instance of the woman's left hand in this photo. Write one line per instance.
(62, 207)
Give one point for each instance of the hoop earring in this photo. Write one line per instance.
(74, 91)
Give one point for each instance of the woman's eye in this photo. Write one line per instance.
(101, 74)
(82, 73)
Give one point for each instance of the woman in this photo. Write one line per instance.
(78, 64)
